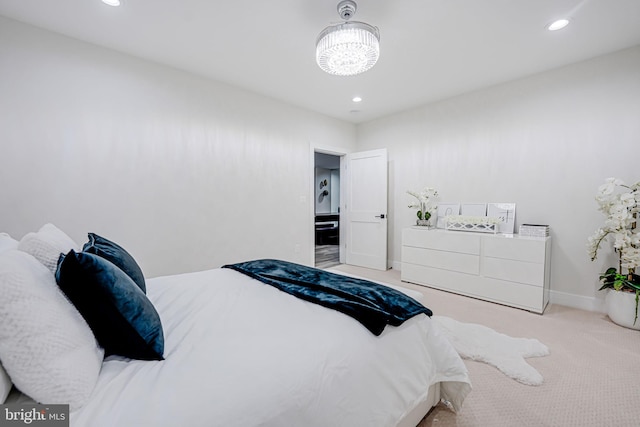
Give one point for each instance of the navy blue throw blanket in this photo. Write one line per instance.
(369, 303)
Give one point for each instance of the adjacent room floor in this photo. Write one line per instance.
(327, 256)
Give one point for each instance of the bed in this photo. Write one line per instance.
(238, 352)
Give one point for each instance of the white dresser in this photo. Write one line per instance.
(507, 269)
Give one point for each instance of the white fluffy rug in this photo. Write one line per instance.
(478, 342)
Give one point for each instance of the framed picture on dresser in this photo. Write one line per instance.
(473, 209)
(444, 210)
(506, 212)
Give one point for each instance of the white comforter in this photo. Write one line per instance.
(241, 353)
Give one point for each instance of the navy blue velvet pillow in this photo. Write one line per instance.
(115, 253)
(120, 315)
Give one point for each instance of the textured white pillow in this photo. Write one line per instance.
(46, 346)
(47, 244)
(5, 385)
(7, 242)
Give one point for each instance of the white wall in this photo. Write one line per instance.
(545, 142)
(331, 202)
(335, 190)
(323, 203)
(189, 174)
(184, 172)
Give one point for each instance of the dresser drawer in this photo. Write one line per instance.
(520, 249)
(514, 271)
(453, 261)
(451, 241)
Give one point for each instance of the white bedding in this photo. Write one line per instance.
(241, 353)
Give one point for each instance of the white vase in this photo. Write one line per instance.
(621, 308)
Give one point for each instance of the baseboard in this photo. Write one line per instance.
(577, 301)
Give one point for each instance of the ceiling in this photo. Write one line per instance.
(430, 49)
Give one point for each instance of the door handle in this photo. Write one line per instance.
(381, 216)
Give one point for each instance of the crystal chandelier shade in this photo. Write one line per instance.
(348, 48)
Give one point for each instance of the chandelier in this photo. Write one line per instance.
(348, 48)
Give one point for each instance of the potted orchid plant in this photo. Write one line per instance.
(426, 203)
(620, 205)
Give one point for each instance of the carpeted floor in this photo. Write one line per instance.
(591, 377)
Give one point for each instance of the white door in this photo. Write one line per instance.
(366, 208)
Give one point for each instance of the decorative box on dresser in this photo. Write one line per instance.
(504, 268)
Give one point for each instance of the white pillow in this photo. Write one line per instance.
(7, 242)
(5, 385)
(47, 244)
(46, 346)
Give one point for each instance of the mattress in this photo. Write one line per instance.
(241, 353)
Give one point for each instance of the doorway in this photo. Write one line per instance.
(326, 209)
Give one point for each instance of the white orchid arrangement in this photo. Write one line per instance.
(426, 202)
(620, 204)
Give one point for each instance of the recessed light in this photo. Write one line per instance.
(111, 2)
(356, 99)
(558, 25)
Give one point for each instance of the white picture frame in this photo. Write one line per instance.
(473, 209)
(506, 212)
(444, 210)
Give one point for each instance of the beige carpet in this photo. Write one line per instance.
(591, 377)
